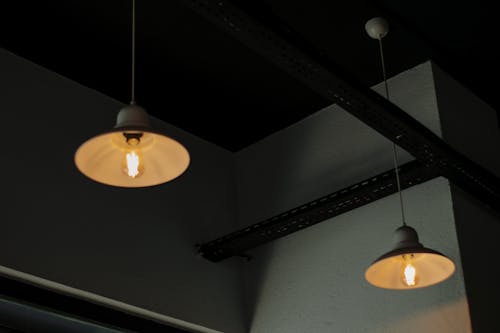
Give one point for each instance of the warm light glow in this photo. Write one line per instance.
(103, 159)
(410, 275)
(133, 163)
(410, 270)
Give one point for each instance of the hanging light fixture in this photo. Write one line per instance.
(409, 265)
(132, 154)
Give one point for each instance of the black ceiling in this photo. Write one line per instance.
(197, 77)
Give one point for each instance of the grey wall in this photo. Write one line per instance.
(312, 281)
(133, 245)
(326, 151)
(137, 245)
(7, 330)
(471, 127)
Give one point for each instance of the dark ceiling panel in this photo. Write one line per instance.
(336, 30)
(197, 77)
(189, 73)
(460, 36)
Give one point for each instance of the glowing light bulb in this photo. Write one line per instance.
(132, 160)
(133, 163)
(409, 275)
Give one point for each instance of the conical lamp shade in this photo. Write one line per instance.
(409, 265)
(156, 158)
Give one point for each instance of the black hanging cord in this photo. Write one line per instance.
(394, 147)
(133, 55)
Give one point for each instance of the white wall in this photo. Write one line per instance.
(133, 245)
(312, 281)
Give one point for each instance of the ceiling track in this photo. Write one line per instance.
(278, 44)
(311, 213)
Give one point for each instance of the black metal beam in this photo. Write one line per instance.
(76, 308)
(276, 42)
(316, 211)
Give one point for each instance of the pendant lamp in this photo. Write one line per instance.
(409, 265)
(132, 154)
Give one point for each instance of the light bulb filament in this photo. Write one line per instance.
(132, 164)
(409, 275)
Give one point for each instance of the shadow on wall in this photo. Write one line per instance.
(478, 229)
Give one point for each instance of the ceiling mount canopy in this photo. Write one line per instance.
(409, 265)
(132, 154)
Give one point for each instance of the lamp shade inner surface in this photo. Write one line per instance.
(428, 267)
(158, 158)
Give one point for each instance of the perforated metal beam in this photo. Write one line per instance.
(316, 211)
(279, 45)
